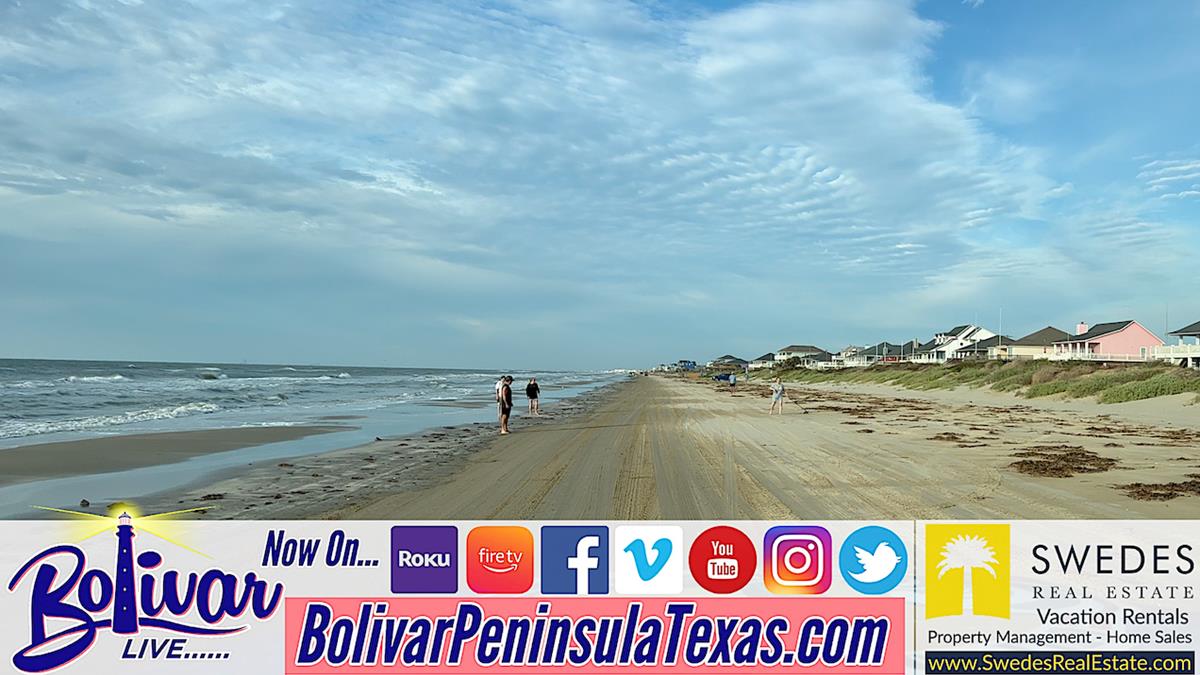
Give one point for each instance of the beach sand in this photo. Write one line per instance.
(668, 448)
(120, 453)
(664, 447)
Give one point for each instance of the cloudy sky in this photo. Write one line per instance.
(561, 183)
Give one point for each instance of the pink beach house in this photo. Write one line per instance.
(1115, 341)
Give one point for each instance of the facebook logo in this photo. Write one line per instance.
(575, 560)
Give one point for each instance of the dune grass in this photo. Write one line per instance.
(1111, 383)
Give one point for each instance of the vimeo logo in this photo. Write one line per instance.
(649, 559)
(575, 559)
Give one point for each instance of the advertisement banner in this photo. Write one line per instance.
(149, 594)
(1056, 597)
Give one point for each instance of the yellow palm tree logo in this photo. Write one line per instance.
(967, 553)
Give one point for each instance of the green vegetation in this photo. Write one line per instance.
(1109, 383)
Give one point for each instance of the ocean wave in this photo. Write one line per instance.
(17, 429)
(27, 384)
(94, 378)
(325, 378)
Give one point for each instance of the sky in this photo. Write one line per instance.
(561, 184)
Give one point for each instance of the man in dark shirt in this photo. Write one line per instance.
(531, 392)
(506, 403)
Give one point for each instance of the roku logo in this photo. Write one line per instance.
(410, 559)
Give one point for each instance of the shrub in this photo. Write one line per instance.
(1046, 388)
(1096, 383)
(1045, 374)
(1162, 384)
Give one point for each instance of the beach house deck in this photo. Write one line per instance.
(1183, 353)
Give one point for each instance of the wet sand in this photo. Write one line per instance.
(121, 453)
(323, 485)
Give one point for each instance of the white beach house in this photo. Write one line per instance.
(945, 345)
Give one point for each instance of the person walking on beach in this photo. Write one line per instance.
(531, 392)
(506, 402)
(776, 396)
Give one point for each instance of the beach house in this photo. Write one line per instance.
(945, 345)
(765, 361)
(1183, 353)
(983, 349)
(797, 352)
(884, 352)
(1037, 345)
(1113, 341)
(821, 359)
(728, 362)
(848, 356)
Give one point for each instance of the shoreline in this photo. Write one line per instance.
(107, 454)
(660, 447)
(319, 486)
(105, 470)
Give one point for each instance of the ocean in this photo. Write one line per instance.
(42, 401)
(46, 401)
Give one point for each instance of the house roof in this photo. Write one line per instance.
(888, 349)
(800, 348)
(928, 346)
(820, 356)
(1043, 338)
(956, 330)
(1188, 331)
(985, 344)
(769, 356)
(1099, 330)
(728, 358)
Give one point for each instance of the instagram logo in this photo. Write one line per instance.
(797, 560)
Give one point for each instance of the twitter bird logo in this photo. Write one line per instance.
(873, 560)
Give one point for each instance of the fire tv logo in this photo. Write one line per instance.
(499, 559)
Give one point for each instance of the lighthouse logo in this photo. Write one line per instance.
(71, 603)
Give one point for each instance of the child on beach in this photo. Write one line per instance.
(776, 396)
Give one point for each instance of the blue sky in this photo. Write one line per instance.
(561, 184)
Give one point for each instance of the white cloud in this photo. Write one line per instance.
(1172, 179)
(610, 150)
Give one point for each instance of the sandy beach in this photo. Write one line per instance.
(131, 451)
(658, 447)
(665, 447)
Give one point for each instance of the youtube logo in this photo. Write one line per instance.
(722, 559)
